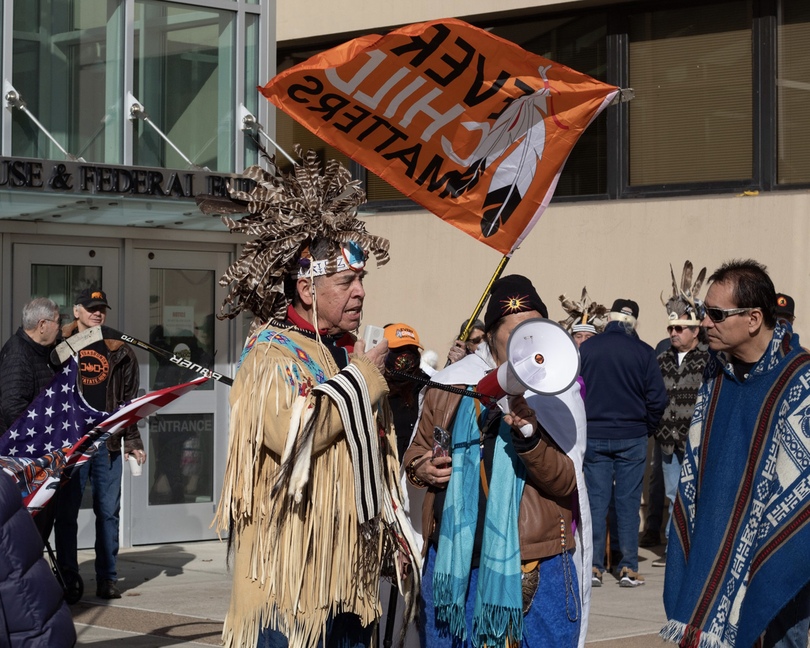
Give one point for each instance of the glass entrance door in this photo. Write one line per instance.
(175, 498)
(60, 272)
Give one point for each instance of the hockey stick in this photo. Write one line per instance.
(183, 363)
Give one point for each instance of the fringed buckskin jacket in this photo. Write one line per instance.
(289, 497)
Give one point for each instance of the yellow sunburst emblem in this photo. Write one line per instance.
(516, 304)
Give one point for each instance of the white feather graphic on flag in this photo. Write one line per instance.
(521, 123)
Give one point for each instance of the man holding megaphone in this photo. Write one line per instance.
(505, 518)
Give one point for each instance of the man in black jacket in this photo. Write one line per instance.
(624, 400)
(25, 369)
(109, 377)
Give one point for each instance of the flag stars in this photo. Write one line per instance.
(49, 429)
(65, 407)
(65, 425)
(12, 451)
(30, 449)
(49, 392)
(31, 432)
(65, 389)
(32, 414)
(49, 411)
(13, 434)
(67, 370)
(48, 446)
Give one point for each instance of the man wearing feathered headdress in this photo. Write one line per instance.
(682, 366)
(585, 318)
(311, 494)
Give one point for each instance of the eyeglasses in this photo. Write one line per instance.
(677, 329)
(718, 315)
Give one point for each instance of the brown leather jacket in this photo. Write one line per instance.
(549, 492)
(123, 386)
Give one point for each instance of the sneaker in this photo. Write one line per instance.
(106, 589)
(629, 578)
(596, 578)
(660, 562)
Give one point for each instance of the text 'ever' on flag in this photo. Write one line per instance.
(469, 125)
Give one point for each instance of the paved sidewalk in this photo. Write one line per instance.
(177, 595)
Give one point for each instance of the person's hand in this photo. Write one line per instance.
(434, 471)
(521, 417)
(375, 354)
(140, 456)
(457, 351)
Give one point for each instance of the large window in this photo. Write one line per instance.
(184, 67)
(793, 93)
(67, 69)
(691, 119)
(78, 67)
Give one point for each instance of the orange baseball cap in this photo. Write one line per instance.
(400, 335)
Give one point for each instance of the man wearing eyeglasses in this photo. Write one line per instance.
(25, 369)
(682, 368)
(737, 567)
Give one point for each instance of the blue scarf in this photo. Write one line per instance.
(741, 521)
(498, 614)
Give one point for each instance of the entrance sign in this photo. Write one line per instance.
(469, 125)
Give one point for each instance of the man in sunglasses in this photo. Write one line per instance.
(109, 376)
(737, 567)
(682, 368)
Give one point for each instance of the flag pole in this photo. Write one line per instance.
(480, 305)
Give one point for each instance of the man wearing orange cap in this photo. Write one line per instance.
(403, 361)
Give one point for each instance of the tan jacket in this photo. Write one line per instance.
(550, 485)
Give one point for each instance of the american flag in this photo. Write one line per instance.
(60, 431)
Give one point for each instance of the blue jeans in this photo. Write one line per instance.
(342, 631)
(671, 464)
(104, 474)
(616, 465)
(789, 628)
(554, 618)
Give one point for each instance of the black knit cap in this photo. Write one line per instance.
(510, 295)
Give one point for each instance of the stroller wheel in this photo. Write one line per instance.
(74, 589)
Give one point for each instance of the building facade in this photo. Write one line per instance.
(116, 115)
(710, 161)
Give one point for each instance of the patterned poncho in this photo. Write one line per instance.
(737, 551)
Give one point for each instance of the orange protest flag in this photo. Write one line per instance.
(469, 125)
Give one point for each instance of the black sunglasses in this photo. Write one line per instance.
(718, 315)
(676, 328)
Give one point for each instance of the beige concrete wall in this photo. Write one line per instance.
(617, 249)
(322, 17)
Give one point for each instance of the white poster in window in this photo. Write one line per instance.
(178, 320)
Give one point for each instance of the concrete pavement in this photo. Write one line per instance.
(178, 594)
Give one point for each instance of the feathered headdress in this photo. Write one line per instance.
(287, 212)
(684, 307)
(583, 314)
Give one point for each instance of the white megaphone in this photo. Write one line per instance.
(540, 356)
